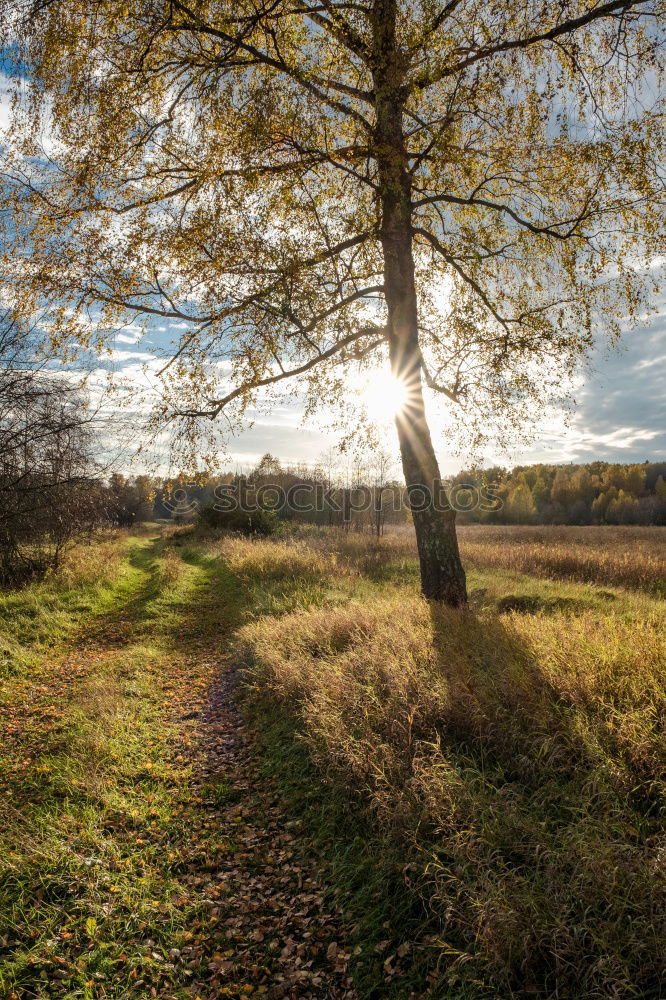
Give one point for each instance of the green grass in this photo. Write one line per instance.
(366, 868)
(485, 792)
(36, 618)
(103, 822)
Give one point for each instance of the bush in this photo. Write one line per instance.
(261, 521)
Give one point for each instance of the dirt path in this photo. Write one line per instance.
(277, 932)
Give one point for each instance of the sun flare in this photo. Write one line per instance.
(384, 396)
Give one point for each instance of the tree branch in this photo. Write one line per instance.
(497, 206)
(340, 28)
(198, 25)
(434, 242)
(610, 9)
(436, 386)
(219, 404)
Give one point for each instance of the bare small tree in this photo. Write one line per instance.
(48, 490)
(381, 467)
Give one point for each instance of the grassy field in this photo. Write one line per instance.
(484, 790)
(634, 558)
(623, 557)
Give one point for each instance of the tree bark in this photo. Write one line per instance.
(442, 573)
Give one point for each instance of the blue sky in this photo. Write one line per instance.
(619, 413)
(619, 416)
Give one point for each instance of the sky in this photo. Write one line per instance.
(619, 413)
(619, 416)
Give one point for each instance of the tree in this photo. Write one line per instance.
(582, 487)
(622, 509)
(634, 479)
(561, 491)
(460, 185)
(381, 467)
(329, 462)
(521, 508)
(268, 468)
(129, 501)
(540, 492)
(660, 488)
(48, 490)
(598, 510)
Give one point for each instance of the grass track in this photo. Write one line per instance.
(102, 821)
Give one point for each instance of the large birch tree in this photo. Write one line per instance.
(464, 189)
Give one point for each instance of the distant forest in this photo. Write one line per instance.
(595, 493)
(367, 499)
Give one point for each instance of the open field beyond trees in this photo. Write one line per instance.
(237, 767)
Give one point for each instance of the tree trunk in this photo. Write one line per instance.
(442, 574)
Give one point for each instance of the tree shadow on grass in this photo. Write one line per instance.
(523, 825)
(501, 702)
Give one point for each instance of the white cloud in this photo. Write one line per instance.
(5, 104)
(650, 363)
(120, 355)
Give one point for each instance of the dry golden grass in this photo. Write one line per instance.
(265, 559)
(517, 759)
(87, 563)
(612, 556)
(170, 567)
(606, 556)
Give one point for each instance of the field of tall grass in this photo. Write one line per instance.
(512, 756)
(486, 789)
(615, 556)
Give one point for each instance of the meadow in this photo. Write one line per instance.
(483, 790)
(628, 557)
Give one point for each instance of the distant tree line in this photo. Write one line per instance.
(52, 493)
(52, 490)
(366, 497)
(363, 497)
(594, 493)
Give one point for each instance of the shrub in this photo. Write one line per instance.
(261, 521)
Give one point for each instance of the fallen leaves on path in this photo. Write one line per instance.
(278, 935)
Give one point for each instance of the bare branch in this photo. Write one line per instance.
(437, 386)
(608, 10)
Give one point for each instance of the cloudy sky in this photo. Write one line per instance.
(619, 415)
(620, 411)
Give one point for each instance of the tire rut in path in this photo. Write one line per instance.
(278, 929)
